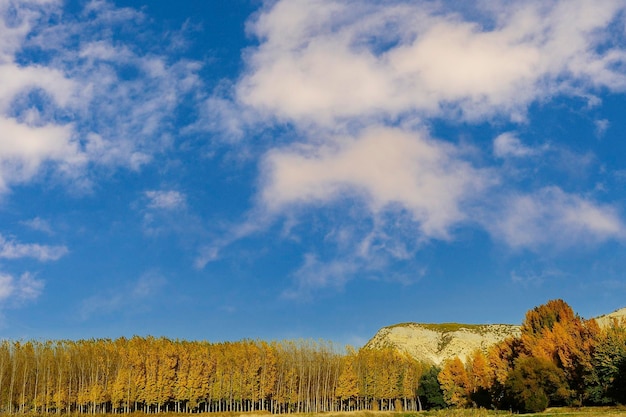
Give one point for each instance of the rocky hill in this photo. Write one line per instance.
(607, 319)
(435, 343)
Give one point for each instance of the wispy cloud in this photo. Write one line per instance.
(534, 278)
(10, 249)
(318, 274)
(167, 212)
(602, 126)
(38, 224)
(47, 106)
(133, 297)
(257, 222)
(165, 200)
(315, 275)
(509, 145)
(554, 217)
(207, 254)
(16, 291)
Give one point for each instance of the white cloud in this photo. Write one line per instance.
(385, 167)
(93, 100)
(9, 249)
(16, 80)
(6, 286)
(222, 116)
(147, 285)
(166, 212)
(133, 297)
(533, 278)
(315, 275)
(166, 200)
(324, 61)
(508, 145)
(553, 217)
(18, 18)
(258, 220)
(24, 149)
(207, 255)
(601, 127)
(28, 288)
(340, 74)
(38, 224)
(14, 292)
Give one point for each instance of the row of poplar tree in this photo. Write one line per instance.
(160, 375)
(559, 359)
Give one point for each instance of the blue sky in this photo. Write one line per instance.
(287, 169)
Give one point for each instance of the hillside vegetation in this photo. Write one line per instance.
(559, 359)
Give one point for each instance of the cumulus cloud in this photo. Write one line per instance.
(385, 167)
(327, 65)
(10, 249)
(25, 148)
(356, 82)
(552, 216)
(325, 61)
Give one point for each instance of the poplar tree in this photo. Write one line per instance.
(455, 383)
(347, 384)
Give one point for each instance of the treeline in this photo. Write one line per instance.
(559, 359)
(159, 375)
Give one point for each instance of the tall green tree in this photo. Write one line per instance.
(430, 394)
(455, 383)
(534, 384)
(605, 384)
